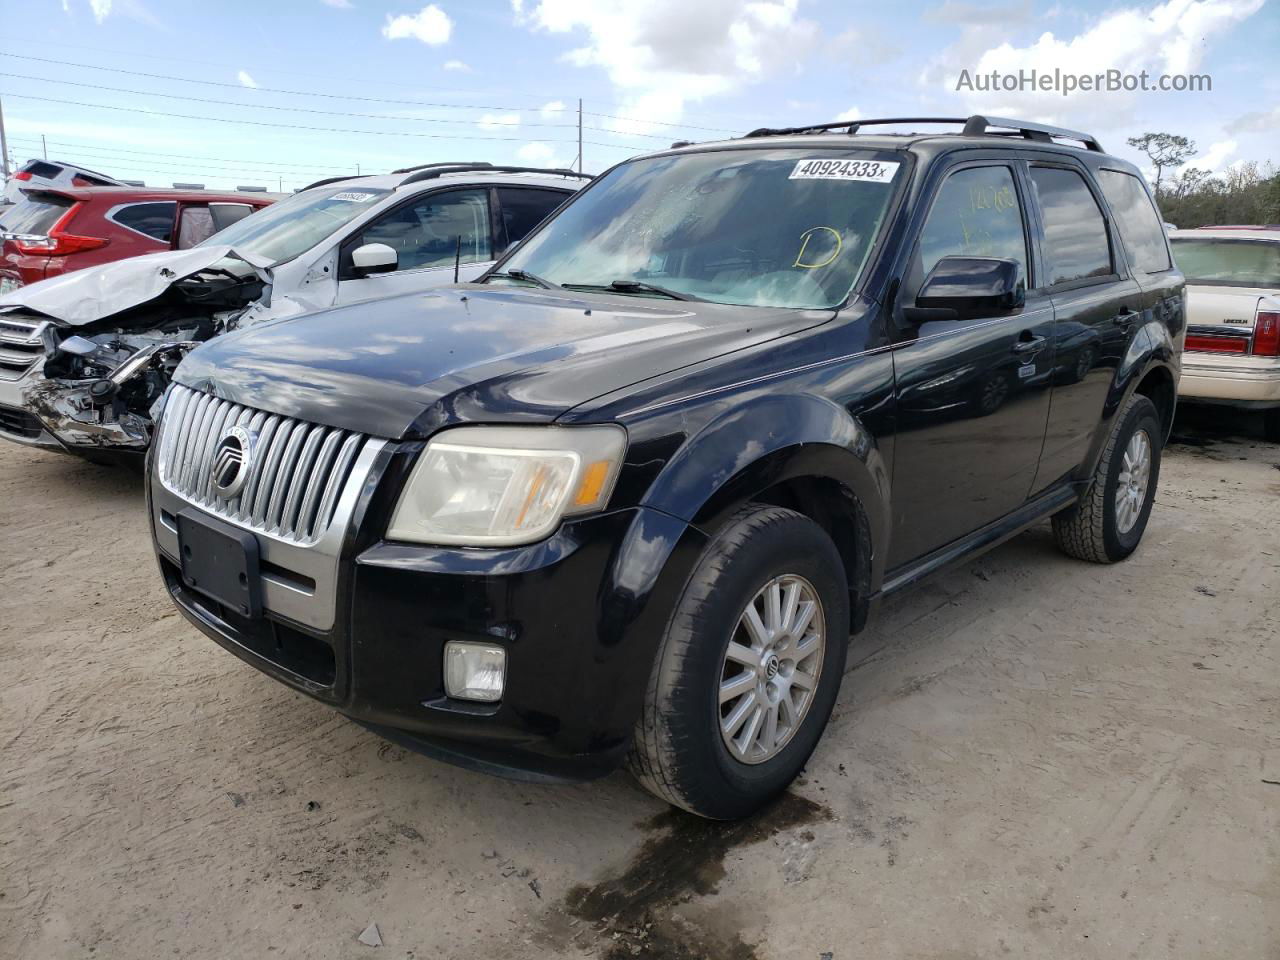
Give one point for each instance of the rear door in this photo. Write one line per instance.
(973, 394)
(144, 227)
(430, 233)
(1097, 305)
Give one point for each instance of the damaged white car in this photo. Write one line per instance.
(84, 357)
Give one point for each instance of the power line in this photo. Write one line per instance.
(71, 145)
(272, 106)
(331, 96)
(248, 169)
(287, 126)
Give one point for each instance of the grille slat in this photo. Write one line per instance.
(21, 346)
(299, 469)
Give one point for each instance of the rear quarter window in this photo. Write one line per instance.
(1141, 230)
(155, 220)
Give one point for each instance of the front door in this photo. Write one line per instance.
(430, 234)
(973, 394)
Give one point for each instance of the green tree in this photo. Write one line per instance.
(1165, 151)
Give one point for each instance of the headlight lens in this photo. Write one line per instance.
(499, 486)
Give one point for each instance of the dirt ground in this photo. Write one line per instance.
(1030, 756)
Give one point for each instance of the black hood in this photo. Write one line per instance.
(405, 366)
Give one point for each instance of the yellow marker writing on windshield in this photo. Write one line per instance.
(804, 245)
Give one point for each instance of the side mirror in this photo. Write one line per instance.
(961, 287)
(373, 258)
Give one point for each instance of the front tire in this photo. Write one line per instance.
(1107, 524)
(749, 668)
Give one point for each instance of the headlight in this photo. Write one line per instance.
(498, 486)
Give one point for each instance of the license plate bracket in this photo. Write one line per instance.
(220, 561)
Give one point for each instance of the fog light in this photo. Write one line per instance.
(474, 671)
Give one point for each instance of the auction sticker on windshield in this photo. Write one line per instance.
(354, 197)
(866, 171)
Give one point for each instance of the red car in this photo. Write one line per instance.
(55, 231)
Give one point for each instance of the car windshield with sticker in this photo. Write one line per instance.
(284, 230)
(756, 227)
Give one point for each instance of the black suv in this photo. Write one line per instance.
(626, 497)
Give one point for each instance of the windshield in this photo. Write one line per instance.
(286, 229)
(1229, 263)
(768, 227)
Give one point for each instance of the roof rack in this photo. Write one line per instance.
(976, 125)
(328, 180)
(445, 163)
(439, 170)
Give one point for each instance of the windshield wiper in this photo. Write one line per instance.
(632, 286)
(528, 277)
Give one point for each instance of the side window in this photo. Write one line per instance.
(195, 226)
(225, 214)
(1140, 227)
(432, 231)
(976, 214)
(523, 208)
(153, 219)
(1075, 233)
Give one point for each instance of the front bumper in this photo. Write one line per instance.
(1238, 380)
(56, 415)
(579, 614)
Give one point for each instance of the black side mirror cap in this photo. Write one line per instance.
(963, 287)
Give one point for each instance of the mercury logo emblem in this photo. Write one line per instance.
(232, 462)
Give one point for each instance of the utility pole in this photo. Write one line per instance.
(280, 184)
(357, 169)
(44, 148)
(4, 146)
(579, 134)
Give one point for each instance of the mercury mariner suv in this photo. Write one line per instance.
(625, 497)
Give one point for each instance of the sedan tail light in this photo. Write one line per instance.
(1208, 344)
(1266, 334)
(59, 243)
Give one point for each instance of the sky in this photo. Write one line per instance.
(283, 93)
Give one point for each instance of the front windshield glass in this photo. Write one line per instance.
(1229, 263)
(286, 229)
(760, 227)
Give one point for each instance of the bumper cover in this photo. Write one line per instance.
(580, 615)
(1247, 381)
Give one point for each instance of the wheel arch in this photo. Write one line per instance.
(796, 451)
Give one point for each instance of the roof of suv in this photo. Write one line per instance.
(978, 132)
(461, 172)
(133, 194)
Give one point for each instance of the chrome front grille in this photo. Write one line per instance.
(297, 473)
(21, 345)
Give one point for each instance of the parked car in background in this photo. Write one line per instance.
(1233, 302)
(625, 497)
(85, 355)
(35, 174)
(52, 231)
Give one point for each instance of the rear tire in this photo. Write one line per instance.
(684, 750)
(1108, 523)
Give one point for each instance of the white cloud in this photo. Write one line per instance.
(1257, 121)
(853, 113)
(663, 54)
(499, 121)
(431, 25)
(540, 154)
(457, 65)
(1167, 38)
(1215, 158)
(957, 11)
(552, 110)
(337, 4)
(101, 9)
(246, 80)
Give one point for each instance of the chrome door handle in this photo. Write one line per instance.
(1034, 345)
